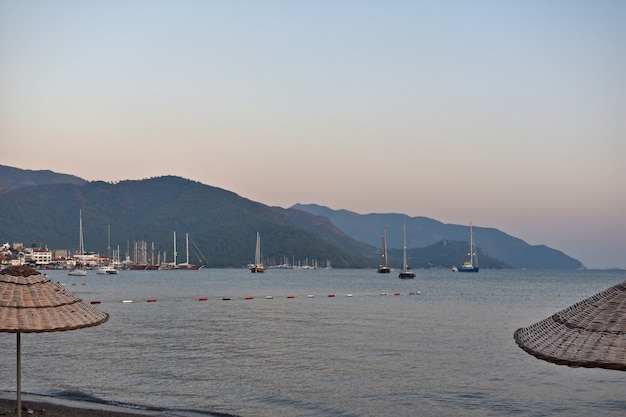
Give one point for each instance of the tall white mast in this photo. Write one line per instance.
(384, 247)
(81, 244)
(257, 255)
(473, 255)
(175, 248)
(405, 264)
(187, 246)
(109, 242)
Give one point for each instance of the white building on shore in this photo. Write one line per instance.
(38, 256)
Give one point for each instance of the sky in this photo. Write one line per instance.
(506, 114)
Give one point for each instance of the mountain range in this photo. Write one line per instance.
(42, 208)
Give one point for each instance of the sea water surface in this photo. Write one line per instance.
(375, 348)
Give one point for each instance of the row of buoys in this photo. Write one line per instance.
(267, 297)
(398, 293)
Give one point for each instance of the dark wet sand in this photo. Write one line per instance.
(40, 408)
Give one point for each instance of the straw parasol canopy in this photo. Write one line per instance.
(31, 303)
(590, 333)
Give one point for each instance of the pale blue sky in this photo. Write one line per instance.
(508, 114)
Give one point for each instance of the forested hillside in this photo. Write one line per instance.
(42, 209)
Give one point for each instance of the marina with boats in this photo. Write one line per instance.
(81, 261)
(146, 257)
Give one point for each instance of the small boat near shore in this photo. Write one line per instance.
(182, 267)
(79, 270)
(107, 270)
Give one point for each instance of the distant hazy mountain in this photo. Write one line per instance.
(222, 224)
(42, 208)
(14, 178)
(423, 232)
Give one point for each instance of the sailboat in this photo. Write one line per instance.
(186, 266)
(108, 269)
(472, 264)
(257, 266)
(406, 272)
(383, 268)
(79, 269)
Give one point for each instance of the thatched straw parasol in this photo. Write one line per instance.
(591, 333)
(31, 303)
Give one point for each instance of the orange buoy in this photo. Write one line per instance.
(291, 296)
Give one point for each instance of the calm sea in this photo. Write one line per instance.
(447, 351)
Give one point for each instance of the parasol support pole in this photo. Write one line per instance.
(19, 375)
(26, 288)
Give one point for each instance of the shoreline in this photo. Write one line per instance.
(41, 405)
(42, 408)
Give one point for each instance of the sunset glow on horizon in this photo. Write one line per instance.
(509, 115)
